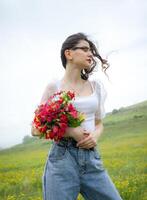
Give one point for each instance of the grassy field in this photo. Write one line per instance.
(123, 147)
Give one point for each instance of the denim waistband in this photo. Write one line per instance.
(69, 141)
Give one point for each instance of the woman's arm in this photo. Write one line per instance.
(98, 129)
(91, 139)
(50, 89)
(77, 133)
(35, 132)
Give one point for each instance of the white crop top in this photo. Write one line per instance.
(92, 105)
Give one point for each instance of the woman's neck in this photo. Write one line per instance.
(73, 75)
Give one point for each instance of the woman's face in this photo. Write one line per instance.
(82, 55)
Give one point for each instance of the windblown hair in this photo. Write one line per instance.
(71, 42)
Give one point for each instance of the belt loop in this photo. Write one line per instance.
(67, 144)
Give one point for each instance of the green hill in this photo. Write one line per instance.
(130, 120)
(122, 147)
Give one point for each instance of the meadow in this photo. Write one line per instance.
(123, 148)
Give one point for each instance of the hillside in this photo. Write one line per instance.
(123, 148)
(126, 118)
(126, 113)
(130, 120)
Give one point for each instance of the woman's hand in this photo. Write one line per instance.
(88, 142)
(35, 132)
(91, 139)
(78, 133)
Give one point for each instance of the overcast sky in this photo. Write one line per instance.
(31, 35)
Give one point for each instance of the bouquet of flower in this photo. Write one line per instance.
(56, 114)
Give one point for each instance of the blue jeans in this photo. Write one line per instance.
(71, 170)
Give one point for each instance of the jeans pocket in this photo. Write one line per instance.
(57, 153)
(97, 154)
(97, 160)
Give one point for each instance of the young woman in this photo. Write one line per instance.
(74, 165)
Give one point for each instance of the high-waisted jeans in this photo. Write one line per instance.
(70, 170)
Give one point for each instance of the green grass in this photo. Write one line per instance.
(123, 148)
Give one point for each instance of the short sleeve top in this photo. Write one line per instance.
(101, 97)
(92, 105)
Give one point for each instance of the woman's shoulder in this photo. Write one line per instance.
(50, 89)
(52, 83)
(97, 83)
(99, 87)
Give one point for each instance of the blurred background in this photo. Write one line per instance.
(31, 35)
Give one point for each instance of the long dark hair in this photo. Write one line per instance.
(71, 42)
